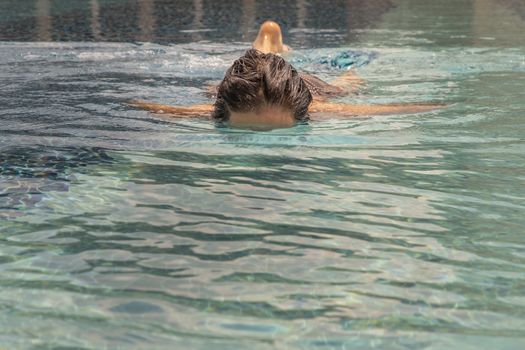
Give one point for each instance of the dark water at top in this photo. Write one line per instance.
(184, 21)
(124, 230)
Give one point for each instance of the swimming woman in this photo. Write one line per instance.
(261, 89)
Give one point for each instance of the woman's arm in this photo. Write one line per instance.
(318, 109)
(347, 110)
(203, 110)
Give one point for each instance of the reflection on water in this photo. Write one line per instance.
(43, 20)
(119, 229)
(181, 21)
(95, 23)
(27, 174)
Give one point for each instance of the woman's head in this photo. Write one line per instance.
(259, 86)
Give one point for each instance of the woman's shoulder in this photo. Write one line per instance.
(319, 87)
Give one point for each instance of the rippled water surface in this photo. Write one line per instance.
(124, 230)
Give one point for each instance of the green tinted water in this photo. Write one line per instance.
(122, 230)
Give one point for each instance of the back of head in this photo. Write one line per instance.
(256, 80)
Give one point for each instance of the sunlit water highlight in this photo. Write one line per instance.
(120, 229)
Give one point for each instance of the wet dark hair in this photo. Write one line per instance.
(256, 79)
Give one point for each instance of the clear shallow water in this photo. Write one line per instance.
(120, 229)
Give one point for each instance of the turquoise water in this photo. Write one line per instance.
(124, 230)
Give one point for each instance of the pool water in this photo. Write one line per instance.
(124, 230)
